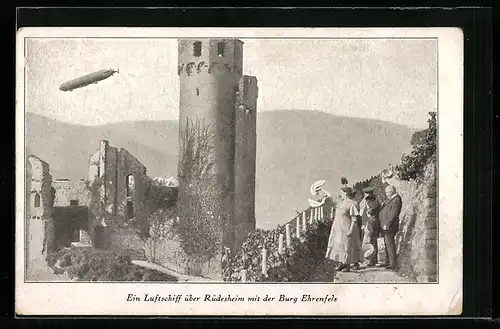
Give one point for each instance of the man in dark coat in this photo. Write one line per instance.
(389, 222)
(371, 225)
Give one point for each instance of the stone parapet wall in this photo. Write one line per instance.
(417, 240)
(431, 224)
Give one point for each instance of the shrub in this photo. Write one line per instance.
(87, 264)
(298, 263)
(412, 165)
(162, 226)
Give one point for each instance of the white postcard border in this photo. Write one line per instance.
(443, 298)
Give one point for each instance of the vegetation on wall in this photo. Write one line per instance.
(201, 212)
(413, 165)
(98, 202)
(87, 264)
(299, 263)
(157, 208)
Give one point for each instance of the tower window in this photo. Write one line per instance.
(197, 92)
(75, 234)
(37, 200)
(130, 185)
(220, 49)
(197, 49)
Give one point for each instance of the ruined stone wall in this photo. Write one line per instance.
(41, 192)
(129, 166)
(39, 226)
(68, 221)
(94, 166)
(71, 213)
(67, 190)
(110, 179)
(115, 166)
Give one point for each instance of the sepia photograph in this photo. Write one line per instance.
(206, 158)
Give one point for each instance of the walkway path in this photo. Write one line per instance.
(325, 272)
(370, 275)
(179, 276)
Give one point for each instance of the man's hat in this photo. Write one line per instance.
(368, 190)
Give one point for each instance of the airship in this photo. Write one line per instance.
(92, 78)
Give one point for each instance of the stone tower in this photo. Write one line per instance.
(216, 95)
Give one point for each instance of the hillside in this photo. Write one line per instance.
(294, 149)
(67, 147)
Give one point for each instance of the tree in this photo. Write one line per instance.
(412, 165)
(160, 208)
(201, 212)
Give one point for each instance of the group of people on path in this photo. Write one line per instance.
(361, 224)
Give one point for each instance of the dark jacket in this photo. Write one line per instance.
(371, 203)
(389, 214)
(373, 224)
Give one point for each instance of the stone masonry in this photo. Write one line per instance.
(430, 224)
(417, 240)
(122, 189)
(39, 226)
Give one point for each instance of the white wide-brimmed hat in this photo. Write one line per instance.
(370, 250)
(386, 174)
(316, 186)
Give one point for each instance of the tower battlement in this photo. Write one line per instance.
(210, 56)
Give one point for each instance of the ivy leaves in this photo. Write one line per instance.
(297, 263)
(413, 164)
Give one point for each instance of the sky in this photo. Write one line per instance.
(390, 80)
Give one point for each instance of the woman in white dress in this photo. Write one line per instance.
(344, 244)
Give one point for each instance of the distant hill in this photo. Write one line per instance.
(294, 149)
(67, 147)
